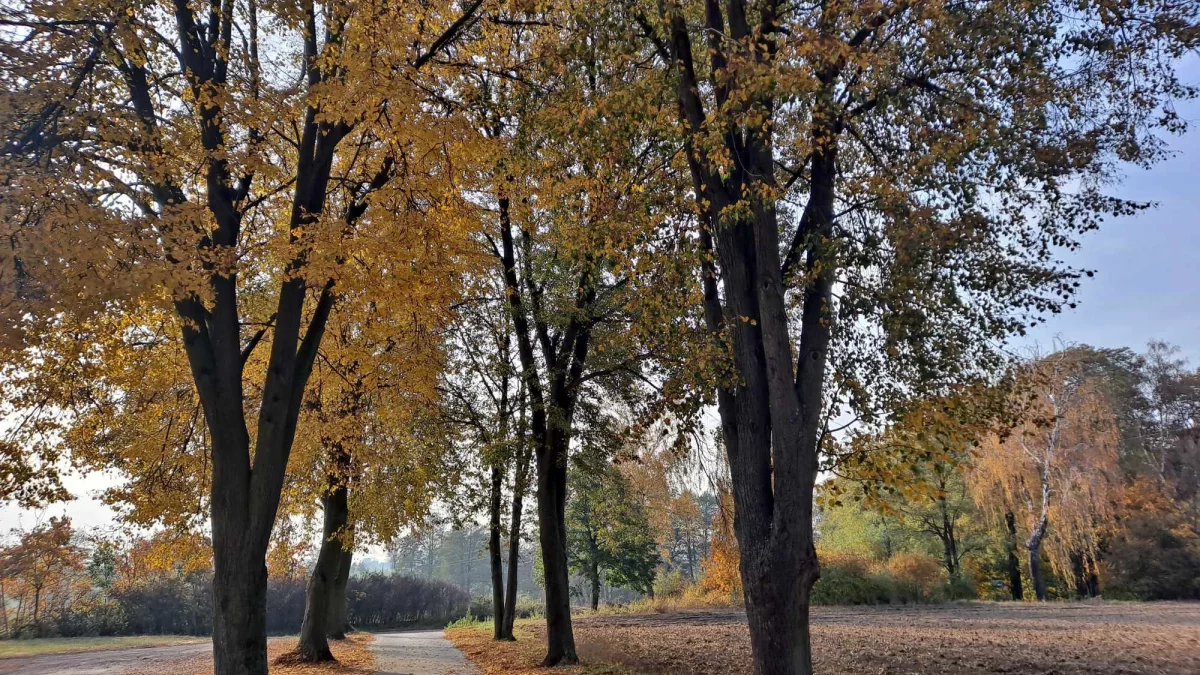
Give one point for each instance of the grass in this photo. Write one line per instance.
(40, 646)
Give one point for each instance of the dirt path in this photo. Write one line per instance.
(108, 662)
(425, 652)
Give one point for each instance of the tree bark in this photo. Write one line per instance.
(496, 555)
(1034, 545)
(551, 498)
(240, 614)
(37, 600)
(594, 576)
(520, 484)
(339, 615)
(1014, 563)
(949, 544)
(318, 605)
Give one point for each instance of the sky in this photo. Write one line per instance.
(1147, 286)
(1147, 283)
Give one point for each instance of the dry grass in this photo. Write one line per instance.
(959, 639)
(352, 654)
(41, 646)
(693, 598)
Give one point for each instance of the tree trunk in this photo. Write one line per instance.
(37, 601)
(1014, 563)
(496, 556)
(777, 611)
(1034, 545)
(239, 610)
(595, 575)
(339, 614)
(1035, 562)
(949, 543)
(514, 544)
(551, 419)
(1087, 585)
(314, 643)
(551, 498)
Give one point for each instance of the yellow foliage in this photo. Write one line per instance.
(721, 569)
(917, 570)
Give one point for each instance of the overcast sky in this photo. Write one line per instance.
(1147, 285)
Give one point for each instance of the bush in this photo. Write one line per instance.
(174, 604)
(916, 577)
(908, 577)
(849, 580)
(481, 607)
(1156, 555)
(961, 587)
(669, 584)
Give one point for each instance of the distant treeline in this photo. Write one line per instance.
(181, 604)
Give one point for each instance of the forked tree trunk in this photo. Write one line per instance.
(552, 409)
(496, 555)
(1014, 562)
(318, 601)
(771, 418)
(339, 611)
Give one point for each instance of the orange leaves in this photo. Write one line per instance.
(721, 569)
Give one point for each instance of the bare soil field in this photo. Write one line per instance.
(966, 639)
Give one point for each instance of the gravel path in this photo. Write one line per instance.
(425, 652)
(108, 662)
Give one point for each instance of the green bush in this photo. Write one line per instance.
(669, 584)
(961, 588)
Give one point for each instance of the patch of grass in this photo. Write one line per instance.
(521, 657)
(469, 621)
(41, 646)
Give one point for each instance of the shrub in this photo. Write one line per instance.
(847, 579)
(481, 606)
(917, 577)
(961, 587)
(669, 584)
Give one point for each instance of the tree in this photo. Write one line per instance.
(372, 454)
(486, 398)
(152, 174)
(912, 470)
(920, 178)
(608, 533)
(41, 561)
(576, 221)
(1059, 468)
